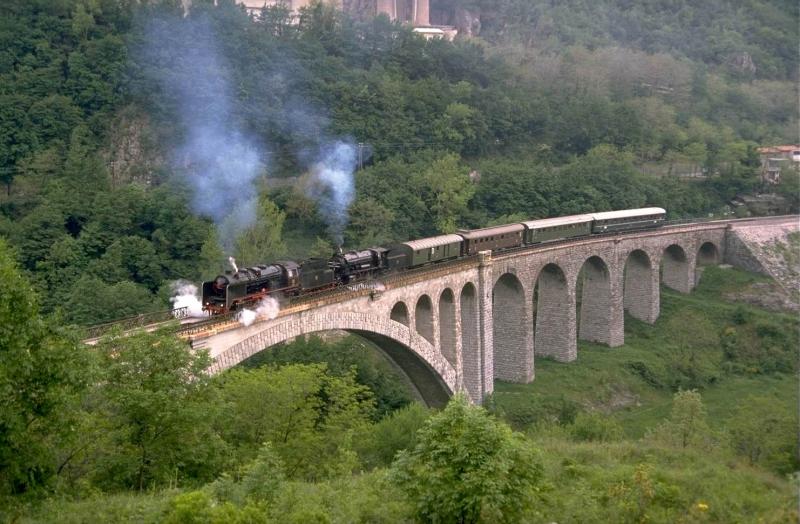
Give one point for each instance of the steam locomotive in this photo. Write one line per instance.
(247, 286)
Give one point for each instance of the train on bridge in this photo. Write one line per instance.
(247, 286)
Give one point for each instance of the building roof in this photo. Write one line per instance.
(778, 149)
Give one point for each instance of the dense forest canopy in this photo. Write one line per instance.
(111, 111)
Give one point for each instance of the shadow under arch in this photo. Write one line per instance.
(423, 317)
(471, 358)
(400, 313)
(675, 269)
(640, 293)
(596, 306)
(708, 254)
(555, 315)
(447, 326)
(509, 319)
(431, 377)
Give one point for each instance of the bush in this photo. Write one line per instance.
(594, 427)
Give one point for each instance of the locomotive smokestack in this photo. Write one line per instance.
(233, 264)
(339, 249)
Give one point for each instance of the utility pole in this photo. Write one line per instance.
(360, 156)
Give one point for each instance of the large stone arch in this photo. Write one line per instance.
(471, 361)
(423, 318)
(599, 315)
(448, 333)
(513, 351)
(430, 374)
(640, 287)
(676, 271)
(400, 313)
(555, 315)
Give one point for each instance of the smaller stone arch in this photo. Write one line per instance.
(640, 287)
(676, 270)
(708, 254)
(596, 311)
(423, 318)
(555, 315)
(400, 313)
(447, 326)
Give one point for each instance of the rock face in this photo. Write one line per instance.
(131, 153)
(773, 251)
(467, 22)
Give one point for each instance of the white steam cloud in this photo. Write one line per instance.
(333, 185)
(219, 162)
(184, 295)
(267, 309)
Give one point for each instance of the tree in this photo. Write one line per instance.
(212, 258)
(687, 426)
(446, 190)
(42, 370)
(91, 301)
(467, 467)
(307, 414)
(160, 406)
(370, 223)
(321, 248)
(263, 241)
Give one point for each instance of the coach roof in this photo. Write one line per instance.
(427, 243)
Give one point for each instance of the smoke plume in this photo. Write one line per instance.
(184, 294)
(190, 77)
(333, 185)
(267, 309)
(217, 159)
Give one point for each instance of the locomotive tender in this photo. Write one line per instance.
(247, 286)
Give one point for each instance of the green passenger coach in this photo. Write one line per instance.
(627, 220)
(557, 228)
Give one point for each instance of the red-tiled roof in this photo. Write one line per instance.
(778, 149)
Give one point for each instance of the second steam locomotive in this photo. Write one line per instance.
(247, 286)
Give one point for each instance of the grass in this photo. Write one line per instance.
(635, 383)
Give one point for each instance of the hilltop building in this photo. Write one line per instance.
(416, 13)
(775, 159)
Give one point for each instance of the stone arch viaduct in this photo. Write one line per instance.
(461, 325)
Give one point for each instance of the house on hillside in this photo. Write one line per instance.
(416, 13)
(775, 159)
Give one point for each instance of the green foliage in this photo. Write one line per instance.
(467, 467)
(158, 407)
(687, 425)
(93, 301)
(341, 357)
(764, 434)
(263, 241)
(594, 427)
(42, 372)
(395, 432)
(308, 415)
